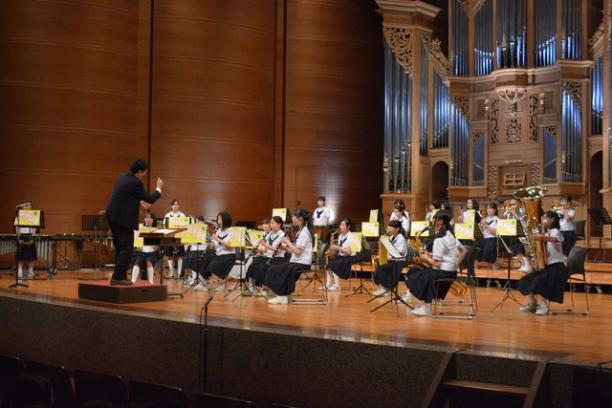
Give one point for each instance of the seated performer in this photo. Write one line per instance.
(340, 265)
(549, 283)
(400, 213)
(197, 260)
(281, 278)
(488, 243)
(170, 252)
(321, 217)
(26, 249)
(567, 216)
(269, 252)
(471, 204)
(225, 255)
(387, 276)
(432, 208)
(518, 249)
(147, 256)
(446, 255)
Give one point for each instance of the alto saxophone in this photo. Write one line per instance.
(417, 246)
(329, 254)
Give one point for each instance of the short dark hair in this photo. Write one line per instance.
(303, 214)
(138, 165)
(397, 224)
(553, 215)
(436, 204)
(226, 218)
(200, 218)
(278, 219)
(399, 205)
(174, 200)
(349, 224)
(321, 198)
(265, 221)
(492, 205)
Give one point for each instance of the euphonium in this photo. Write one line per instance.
(417, 246)
(531, 200)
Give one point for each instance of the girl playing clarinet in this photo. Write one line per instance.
(340, 265)
(281, 279)
(225, 255)
(270, 253)
(549, 283)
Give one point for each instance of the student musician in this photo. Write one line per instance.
(225, 255)
(170, 252)
(567, 216)
(26, 249)
(387, 276)
(549, 283)
(514, 211)
(197, 260)
(401, 214)
(269, 252)
(446, 255)
(488, 243)
(344, 258)
(147, 256)
(433, 207)
(321, 218)
(281, 278)
(471, 204)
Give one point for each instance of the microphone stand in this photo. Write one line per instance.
(204, 345)
(508, 295)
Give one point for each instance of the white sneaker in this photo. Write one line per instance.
(542, 310)
(379, 292)
(526, 268)
(334, 288)
(407, 297)
(326, 286)
(279, 300)
(199, 287)
(423, 310)
(530, 308)
(221, 287)
(20, 276)
(263, 293)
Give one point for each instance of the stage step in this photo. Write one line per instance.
(463, 381)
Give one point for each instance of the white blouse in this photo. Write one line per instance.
(303, 242)
(490, 222)
(568, 225)
(399, 242)
(446, 250)
(223, 235)
(554, 250)
(23, 230)
(273, 239)
(344, 242)
(321, 216)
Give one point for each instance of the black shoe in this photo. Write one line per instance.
(121, 282)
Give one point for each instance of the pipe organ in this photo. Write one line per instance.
(516, 95)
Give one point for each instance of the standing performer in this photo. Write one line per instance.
(549, 283)
(171, 252)
(387, 276)
(26, 249)
(321, 218)
(567, 216)
(270, 253)
(446, 255)
(340, 265)
(147, 256)
(282, 278)
(122, 215)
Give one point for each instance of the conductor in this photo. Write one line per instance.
(122, 215)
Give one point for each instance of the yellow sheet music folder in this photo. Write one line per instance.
(464, 231)
(138, 241)
(281, 212)
(418, 226)
(194, 235)
(506, 227)
(28, 218)
(469, 217)
(356, 238)
(370, 229)
(179, 222)
(373, 215)
(237, 236)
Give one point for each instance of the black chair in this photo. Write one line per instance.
(206, 400)
(94, 387)
(577, 275)
(580, 230)
(143, 394)
(466, 282)
(60, 380)
(10, 370)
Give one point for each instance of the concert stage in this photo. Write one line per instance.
(297, 354)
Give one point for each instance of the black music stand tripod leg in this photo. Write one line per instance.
(508, 295)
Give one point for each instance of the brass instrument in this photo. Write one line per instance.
(416, 245)
(531, 200)
(508, 205)
(556, 206)
(329, 254)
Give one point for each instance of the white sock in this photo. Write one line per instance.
(328, 281)
(336, 280)
(150, 273)
(20, 270)
(135, 273)
(194, 275)
(31, 269)
(180, 267)
(171, 265)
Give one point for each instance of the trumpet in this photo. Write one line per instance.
(556, 206)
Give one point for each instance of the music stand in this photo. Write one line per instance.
(94, 222)
(38, 223)
(508, 295)
(600, 217)
(241, 285)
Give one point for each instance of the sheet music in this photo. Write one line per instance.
(389, 247)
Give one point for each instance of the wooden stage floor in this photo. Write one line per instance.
(568, 338)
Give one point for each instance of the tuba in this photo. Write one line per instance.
(531, 200)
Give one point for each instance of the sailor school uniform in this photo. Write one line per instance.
(224, 259)
(341, 263)
(258, 269)
(282, 278)
(488, 243)
(26, 249)
(172, 251)
(388, 275)
(568, 229)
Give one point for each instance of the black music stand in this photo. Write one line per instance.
(600, 217)
(95, 223)
(508, 295)
(40, 225)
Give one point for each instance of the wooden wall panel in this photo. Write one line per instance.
(333, 122)
(213, 93)
(71, 115)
